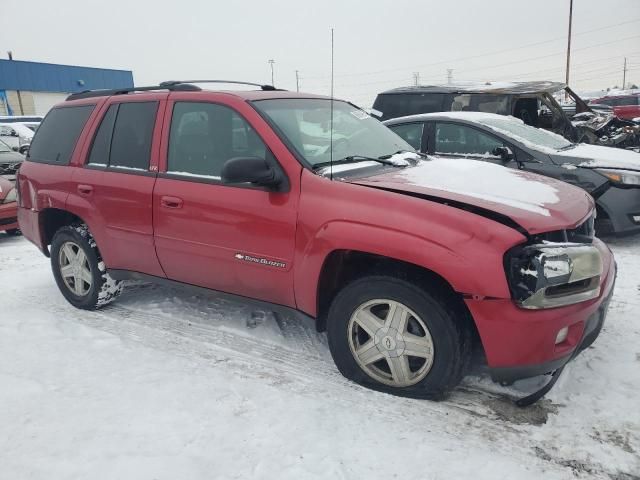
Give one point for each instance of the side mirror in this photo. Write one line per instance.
(250, 170)
(503, 152)
(13, 133)
(15, 149)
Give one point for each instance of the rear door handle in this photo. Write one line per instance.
(85, 190)
(171, 202)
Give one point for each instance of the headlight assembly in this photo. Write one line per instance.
(553, 275)
(624, 177)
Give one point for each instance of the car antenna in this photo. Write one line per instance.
(331, 120)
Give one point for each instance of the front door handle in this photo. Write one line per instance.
(85, 190)
(171, 202)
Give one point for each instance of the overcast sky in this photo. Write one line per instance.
(378, 43)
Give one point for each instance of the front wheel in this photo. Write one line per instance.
(14, 232)
(79, 270)
(391, 335)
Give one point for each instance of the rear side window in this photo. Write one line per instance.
(58, 133)
(132, 132)
(124, 136)
(102, 142)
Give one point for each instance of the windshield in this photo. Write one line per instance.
(527, 134)
(306, 125)
(4, 147)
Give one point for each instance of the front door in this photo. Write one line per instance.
(238, 239)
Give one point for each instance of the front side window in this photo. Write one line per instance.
(410, 133)
(306, 125)
(58, 133)
(457, 139)
(204, 136)
(527, 134)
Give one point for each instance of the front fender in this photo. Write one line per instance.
(469, 264)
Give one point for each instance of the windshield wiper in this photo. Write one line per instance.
(420, 154)
(568, 147)
(355, 159)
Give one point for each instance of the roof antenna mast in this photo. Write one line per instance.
(331, 120)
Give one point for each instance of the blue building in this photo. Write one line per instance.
(32, 88)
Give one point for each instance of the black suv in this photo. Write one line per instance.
(532, 102)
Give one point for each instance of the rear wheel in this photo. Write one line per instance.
(79, 270)
(390, 335)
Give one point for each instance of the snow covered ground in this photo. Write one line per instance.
(168, 385)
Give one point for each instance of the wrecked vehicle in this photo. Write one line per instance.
(532, 102)
(407, 265)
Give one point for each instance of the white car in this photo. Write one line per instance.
(17, 135)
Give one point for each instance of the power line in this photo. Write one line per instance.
(496, 52)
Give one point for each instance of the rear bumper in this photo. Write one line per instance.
(520, 343)
(621, 205)
(8, 216)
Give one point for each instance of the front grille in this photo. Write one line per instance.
(583, 233)
(9, 168)
(8, 221)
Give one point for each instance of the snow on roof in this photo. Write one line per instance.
(466, 116)
(483, 87)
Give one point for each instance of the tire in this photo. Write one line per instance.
(14, 232)
(96, 288)
(431, 316)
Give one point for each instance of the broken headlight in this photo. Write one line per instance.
(553, 275)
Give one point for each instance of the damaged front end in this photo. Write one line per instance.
(603, 128)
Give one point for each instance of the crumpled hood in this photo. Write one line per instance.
(538, 204)
(597, 156)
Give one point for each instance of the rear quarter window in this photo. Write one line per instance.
(58, 134)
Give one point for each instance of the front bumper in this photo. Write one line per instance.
(8, 216)
(520, 343)
(621, 205)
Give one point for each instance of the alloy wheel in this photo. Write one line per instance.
(390, 342)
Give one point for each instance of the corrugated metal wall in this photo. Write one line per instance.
(49, 77)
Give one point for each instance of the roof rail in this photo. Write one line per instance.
(173, 83)
(123, 91)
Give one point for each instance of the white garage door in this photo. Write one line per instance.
(43, 101)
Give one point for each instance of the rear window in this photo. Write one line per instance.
(394, 105)
(58, 133)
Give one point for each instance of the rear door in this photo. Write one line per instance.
(233, 238)
(113, 188)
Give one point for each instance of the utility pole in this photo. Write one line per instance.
(624, 73)
(271, 62)
(416, 78)
(566, 80)
(449, 76)
(297, 82)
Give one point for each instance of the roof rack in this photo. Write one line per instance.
(174, 83)
(171, 85)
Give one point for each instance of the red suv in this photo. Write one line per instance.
(624, 106)
(308, 204)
